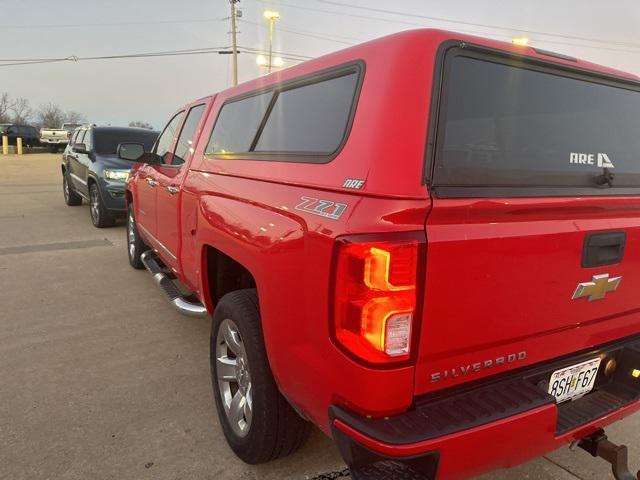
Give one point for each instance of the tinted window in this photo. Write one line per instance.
(510, 126)
(4, 128)
(80, 136)
(237, 124)
(106, 141)
(184, 144)
(166, 139)
(311, 118)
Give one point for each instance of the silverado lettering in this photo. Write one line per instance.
(476, 367)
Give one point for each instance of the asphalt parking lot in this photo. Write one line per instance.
(101, 379)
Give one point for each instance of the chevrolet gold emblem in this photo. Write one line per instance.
(597, 288)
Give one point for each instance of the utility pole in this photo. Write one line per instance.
(234, 43)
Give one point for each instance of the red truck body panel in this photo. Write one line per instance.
(499, 272)
(523, 304)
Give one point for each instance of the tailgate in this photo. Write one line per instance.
(533, 241)
(501, 276)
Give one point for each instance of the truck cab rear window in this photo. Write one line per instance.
(304, 118)
(508, 125)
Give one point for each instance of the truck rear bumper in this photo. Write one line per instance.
(485, 426)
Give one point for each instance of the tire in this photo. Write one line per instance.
(71, 198)
(135, 246)
(100, 216)
(265, 427)
(386, 470)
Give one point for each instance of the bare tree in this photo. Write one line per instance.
(5, 106)
(21, 110)
(50, 115)
(74, 117)
(140, 124)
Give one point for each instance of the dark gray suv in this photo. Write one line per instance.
(93, 170)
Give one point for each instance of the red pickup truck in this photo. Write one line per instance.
(427, 245)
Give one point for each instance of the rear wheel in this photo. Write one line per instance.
(100, 216)
(258, 423)
(71, 198)
(135, 246)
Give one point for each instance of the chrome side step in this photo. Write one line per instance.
(154, 265)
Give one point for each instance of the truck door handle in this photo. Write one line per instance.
(151, 182)
(172, 189)
(604, 248)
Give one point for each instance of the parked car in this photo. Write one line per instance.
(28, 134)
(57, 138)
(92, 170)
(431, 261)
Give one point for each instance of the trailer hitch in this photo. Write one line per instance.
(598, 445)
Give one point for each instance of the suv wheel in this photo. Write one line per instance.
(71, 198)
(258, 423)
(135, 246)
(100, 216)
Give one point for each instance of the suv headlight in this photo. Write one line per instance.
(117, 175)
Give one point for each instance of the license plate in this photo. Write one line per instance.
(575, 381)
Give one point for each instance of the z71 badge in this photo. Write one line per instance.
(324, 208)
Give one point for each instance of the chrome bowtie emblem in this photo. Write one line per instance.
(597, 288)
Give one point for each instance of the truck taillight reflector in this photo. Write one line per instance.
(375, 297)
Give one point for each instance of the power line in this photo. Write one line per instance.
(285, 55)
(462, 22)
(165, 53)
(110, 24)
(303, 33)
(341, 14)
(422, 25)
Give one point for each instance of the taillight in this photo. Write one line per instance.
(376, 284)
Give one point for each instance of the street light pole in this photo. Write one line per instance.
(271, 23)
(272, 17)
(234, 43)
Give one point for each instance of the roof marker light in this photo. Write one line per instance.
(520, 41)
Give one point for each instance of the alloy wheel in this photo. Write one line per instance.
(234, 378)
(95, 208)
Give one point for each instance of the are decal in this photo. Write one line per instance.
(323, 208)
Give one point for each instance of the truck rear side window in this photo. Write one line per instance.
(309, 119)
(511, 125)
(304, 120)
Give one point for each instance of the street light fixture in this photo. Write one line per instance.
(272, 16)
(263, 61)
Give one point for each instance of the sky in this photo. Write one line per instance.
(117, 91)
